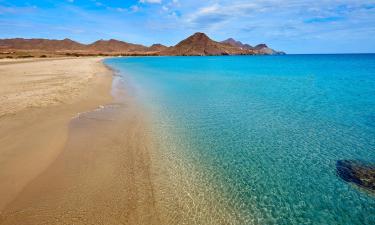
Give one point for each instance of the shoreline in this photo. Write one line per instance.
(101, 173)
(39, 99)
(105, 166)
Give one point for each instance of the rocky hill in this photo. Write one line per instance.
(201, 44)
(197, 44)
(113, 45)
(232, 42)
(260, 49)
(157, 48)
(40, 44)
(265, 50)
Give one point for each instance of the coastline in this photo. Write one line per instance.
(180, 191)
(100, 172)
(110, 163)
(39, 99)
(104, 166)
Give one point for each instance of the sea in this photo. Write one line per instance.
(257, 139)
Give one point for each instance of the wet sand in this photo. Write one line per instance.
(101, 177)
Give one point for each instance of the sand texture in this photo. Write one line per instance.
(39, 83)
(92, 169)
(38, 99)
(72, 153)
(102, 176)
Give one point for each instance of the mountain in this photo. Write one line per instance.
(197, 44)
(260, 49)
(232, 42)
(157, 48)
(201, 44)
(65, 45)
(265, 50)
(40, 44)
(113, 45)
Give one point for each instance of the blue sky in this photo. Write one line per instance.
(295, 26)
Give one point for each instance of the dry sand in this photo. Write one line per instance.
(29, 83)
(38, 99)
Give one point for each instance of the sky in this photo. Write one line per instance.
(293, 26)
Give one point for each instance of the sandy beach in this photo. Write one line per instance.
(39, 98)
(74, 149)
(77, 148)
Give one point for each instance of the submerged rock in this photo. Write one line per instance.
(360, 173)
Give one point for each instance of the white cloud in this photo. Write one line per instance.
(17, 10)
(121, 9)
(209, 10)
(99, 4)
(214, 14)
(244, 13)
(134, 8)
(150, 1)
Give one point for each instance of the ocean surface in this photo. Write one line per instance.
(260, 134)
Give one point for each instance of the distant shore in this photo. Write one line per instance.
(198, 44)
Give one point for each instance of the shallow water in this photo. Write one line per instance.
(261, 134)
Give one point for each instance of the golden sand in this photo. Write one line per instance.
(38, 99)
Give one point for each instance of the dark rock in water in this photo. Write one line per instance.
(357, 172)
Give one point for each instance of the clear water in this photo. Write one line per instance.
(266, 131)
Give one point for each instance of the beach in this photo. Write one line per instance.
(38, 100)
(181, 140)
(169, 112)
(48, 176)
(79, 149)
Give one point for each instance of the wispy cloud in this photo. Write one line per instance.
(290, 25)
(134, 8)
(17, 10)
(324, 19)
(213, 14)
(150, 1)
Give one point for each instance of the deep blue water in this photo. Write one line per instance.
(267, 131)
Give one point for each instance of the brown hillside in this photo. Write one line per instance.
(238, 44)
(157, 48)
(201, 44)
(40, 44)
(113, 45)
(197, 44)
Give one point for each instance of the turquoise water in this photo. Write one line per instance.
(266, 131)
